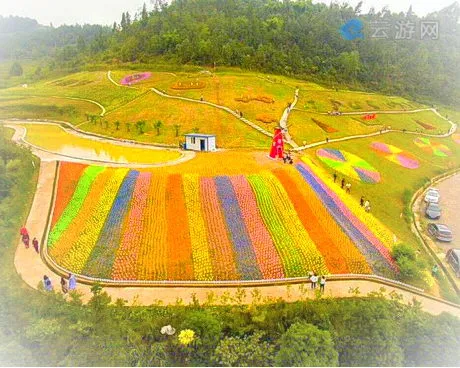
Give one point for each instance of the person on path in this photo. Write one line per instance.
(24, 236)
(35, 245)
(348, 186)
(72, 282)
(64, 286)
(361, 201)
(327, 139)
(322, 283)
(334, 176)
(241, 114)
(367, 206)
(342, 184)
(314, 280)
(47, 283)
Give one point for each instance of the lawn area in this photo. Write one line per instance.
(258, 99)
(302, 127)
(46, 108)
(88, 85)
(388, 196)
(58, 140)
(189, 116)
(326, 100)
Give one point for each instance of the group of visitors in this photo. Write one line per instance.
(72, 285)
(26, 239)
(314, 281)
(343, 184)
(287, 158)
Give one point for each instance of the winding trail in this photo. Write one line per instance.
(284, 118)
(224, 108)
(452, 129)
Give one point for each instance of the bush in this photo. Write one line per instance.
(16, 70)
(304, 344)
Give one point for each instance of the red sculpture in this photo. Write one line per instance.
(277, 149)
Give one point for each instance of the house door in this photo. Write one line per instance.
(202, 145)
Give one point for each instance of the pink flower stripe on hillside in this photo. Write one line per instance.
(266, 254)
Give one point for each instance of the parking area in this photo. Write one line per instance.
(450, 206)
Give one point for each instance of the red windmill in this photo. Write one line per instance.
(277, 149)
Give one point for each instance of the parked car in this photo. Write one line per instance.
(440, 232)
(433, 211)
(432, 195)
(453, 258)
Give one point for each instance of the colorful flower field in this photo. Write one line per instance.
(348, 164)
(135, 78)
(396, 155)
(433, 148)
(122, 224)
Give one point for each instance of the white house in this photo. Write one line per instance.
(200, 142)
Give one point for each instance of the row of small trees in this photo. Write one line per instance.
(140, 125)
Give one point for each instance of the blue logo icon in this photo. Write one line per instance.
(352, 29)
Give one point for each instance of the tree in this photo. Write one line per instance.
(303, 344)
(177, 127)
(144, 14)
(158, 126)
(117, 125)
(128, 127)
(16, 70)
(249, 351)
(140, 125)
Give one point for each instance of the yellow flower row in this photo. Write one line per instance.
(202, 263)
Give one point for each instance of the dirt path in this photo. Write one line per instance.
(284, 119)
(31, 268)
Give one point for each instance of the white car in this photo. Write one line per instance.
(432, 195)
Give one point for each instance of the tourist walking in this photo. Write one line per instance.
(348, 186)
(342, 184)
(24, 236)
(35, 245)
(361, 201)
(322, 283)
(72, 282)
(314, 280)
(64, 286)
(335, 177)
(367, 206)
(47, 283)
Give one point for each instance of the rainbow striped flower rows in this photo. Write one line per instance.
(122, 224)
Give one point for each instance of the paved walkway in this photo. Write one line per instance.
(284, 119)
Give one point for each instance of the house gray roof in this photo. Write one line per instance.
(198, 135)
